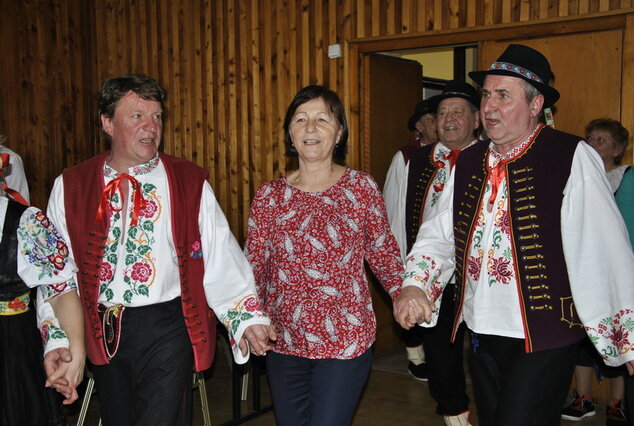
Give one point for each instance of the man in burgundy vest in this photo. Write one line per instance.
(155, 253)
(538, 265)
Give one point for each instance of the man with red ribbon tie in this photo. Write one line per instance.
(155, 253)
(521, 227)
(428, 174)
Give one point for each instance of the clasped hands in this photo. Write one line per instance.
(64, 372)
(259, 338)
(412, 307)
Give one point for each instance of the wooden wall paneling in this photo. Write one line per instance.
(43, 114)
(283, 76)
(161, 72)
(471, 13)
(627, 87)
(334, 10)
(306, 47)
(208, 136)
(268, 148)
(437, 9)
(245, 91)
(187, 81)
(231, 208)
(254, 123)
(198, 90)
(408, 16)
(220, 182)
(319, 40)
(453, 12)
(175, 135)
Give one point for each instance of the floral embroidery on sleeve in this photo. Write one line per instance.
(50, 331)
(611, 336)
(42, 245)
(51, 291)
(246, 309)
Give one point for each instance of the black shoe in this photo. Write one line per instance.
(615, 415)
(419, 372)
(580, 408)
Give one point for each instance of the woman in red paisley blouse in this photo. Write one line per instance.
(309, 235)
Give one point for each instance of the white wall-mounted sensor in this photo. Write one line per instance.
(334, 51)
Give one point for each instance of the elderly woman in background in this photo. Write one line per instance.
(309, 235)
(609, 138)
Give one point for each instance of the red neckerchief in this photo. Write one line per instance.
(498, 172)
(138, 202)
(11, 192)
(452, 156)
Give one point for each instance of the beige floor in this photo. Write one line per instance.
(391, 397)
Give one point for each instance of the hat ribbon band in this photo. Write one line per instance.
(516, 69)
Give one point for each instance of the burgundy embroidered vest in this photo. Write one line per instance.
(421, 172)
(83, 185)
(536, 181)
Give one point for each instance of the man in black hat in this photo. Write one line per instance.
(423, 125)
(429, 170)
(523, 232)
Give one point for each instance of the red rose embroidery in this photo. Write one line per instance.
(141, 272)
(505, 223)
(501, 270)
(619, 337)
(105, 272)
(44, 332)
(474, 265)
(251, 304)
(62, 248)
(150, 209)
(41, 217)
(57, 261)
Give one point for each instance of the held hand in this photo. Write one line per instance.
(65, 371)
(258, 337)
(412, 307)
(630, 367)
(54, 359)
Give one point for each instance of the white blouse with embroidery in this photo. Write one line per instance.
(43, 262)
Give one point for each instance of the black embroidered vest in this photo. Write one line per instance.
(11, 285)
(536, 180)
(421, 172)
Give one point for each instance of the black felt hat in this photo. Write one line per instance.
(525, 63)
(423, 107)
(459, 89)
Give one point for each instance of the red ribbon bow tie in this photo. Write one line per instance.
(138, 202)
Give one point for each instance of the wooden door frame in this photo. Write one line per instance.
(356, 81)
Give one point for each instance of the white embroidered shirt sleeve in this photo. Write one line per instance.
(598, 258)
(43, 261)
(430, 264)
(228, 280)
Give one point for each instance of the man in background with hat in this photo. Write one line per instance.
(429, 171)
(423, 125)
(537, 264)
